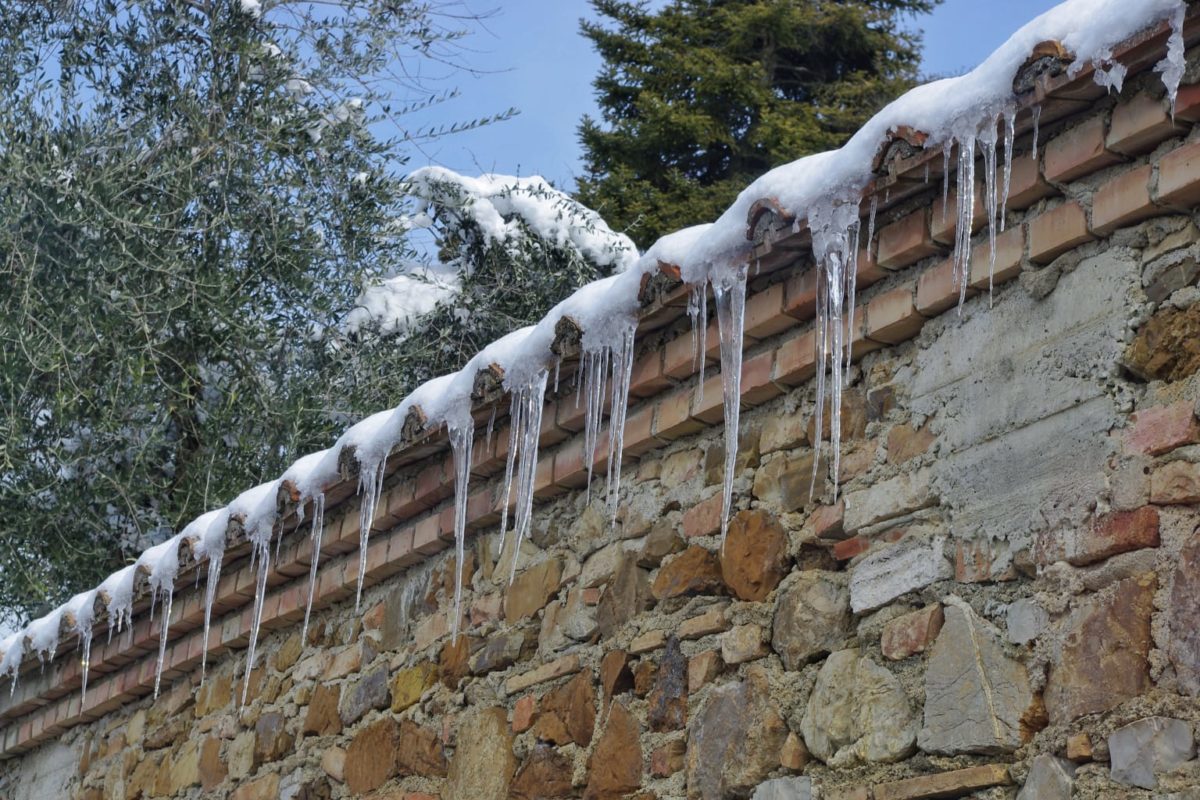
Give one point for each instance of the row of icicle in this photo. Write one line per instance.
(836, 229)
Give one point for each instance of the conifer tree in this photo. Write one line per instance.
(699, 98)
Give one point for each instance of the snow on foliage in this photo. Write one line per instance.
(825, 189)
(395, 305)
(498, 205)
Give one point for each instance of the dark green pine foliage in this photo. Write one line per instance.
(702, 96)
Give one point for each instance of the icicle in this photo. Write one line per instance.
(875, 208)
(370, 488)
(315, 534)
(462, 436)
(966, 216)
(1010, 134)
(729, 290)
(43, 635)
(926, 173)
(261, 550)
(594, 375)
(82, 610)
(529, 397)
(492, 419)
(557, 368)
(1037, 118)
(162, 562)
(207, 535)
(1173, 65)
(947, 146)
(10, 664)
(987, 139)
(622, 366)
(698, 311)
(514, 425)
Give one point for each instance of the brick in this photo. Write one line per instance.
(757, 384)
(1161, 429)
(911, 633)
(1078, 152)
(1123, 200)
(1026, 185)
(1141, 123)
(943, 218)
(704, 518)
(936, 289)
(765, 315)
(647, 378)
(1117, 532)
(956, 783)
(800, 294)
(850, 548)
(906, 241)
(1010, 254)
(572, 412)
(1175, 483)
(1187, 103)
(673, 418)
(868, 271)
(704, 624)
(1179, 176)
(1056, 231)
(708, 406)
(639, 432)
(892, 316)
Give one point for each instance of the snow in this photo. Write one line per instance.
(117, 593)
(251, 7)
(494, 203)
(206, 533)
(81, 609)
(43, 634)
(161, 563)
(13, 648)
(395, 305)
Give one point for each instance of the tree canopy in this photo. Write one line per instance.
(702, 96)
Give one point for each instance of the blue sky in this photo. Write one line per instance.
(532, 58)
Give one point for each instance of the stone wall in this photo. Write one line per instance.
(1000, 601)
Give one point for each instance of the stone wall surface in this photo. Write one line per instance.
(1001, 600)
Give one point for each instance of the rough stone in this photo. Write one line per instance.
(1104, 659)
(893, 571)
(784, 483)
(734, 741)
(668, 698)
(600, 565)
(955, 783)
(1026, 619)
(185, 768)
(366, 694)
(1110, 534)
(742, 643)
(668, 759)
(419, 752)
(694, 571)
(322, 718)
(904, 442)
(857, 713)
(532, 589)
(1049, 778)
(812, 617)
(783, 432)
(212, 768)
(524, 713)
(702, 668)
(911, 633)
(271, 739)
(483, 763)
(498, 652)
(794, 754)
(544, 775)
(1079, 747)
(371, 756)
(1168, 346)
(625, 596)
(239, 755)
(784, 789)
(410, 683)
(712, 621)
(615, 766)
(568, 713)
(1183, 617)
(754, 556)
(1175, 483)
(1142, 750)
(895, 497)
(333, 762)
(977, 700)
(615, 676)
(454, 661)
(264, 786)
(662, 541)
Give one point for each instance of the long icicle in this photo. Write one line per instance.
(622, 365)
(514, 425)
(966, 215)
(210, 596)
(1010, 134)
(530, 396)
(987, 139)
(316, 533)
(370, 488)
(729, 290)
(261, 555)
(462, 436)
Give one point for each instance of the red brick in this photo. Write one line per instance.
(1140, 124)
(572, 412)
(911, 633)
(1078, 152)
(892, 316)
(647, 378)
(1056, 231)
(570, 472)
(800, 294)
(673, 418)
(1179, 176)
(975, 562)
(757, 384)
(1026, 186)
(906, 241)
(543, 477)
(826, 521)
(426, 540)
(704, 518)
(679, 356)
(1118, 532)
(1187, 103)
(796, 359)
(765, 315)
(550, 431)
(1161, 429)
(943, 222)
(1010, 253)
(709, 406)
(639, 431)
(847, 549)
(868, 271)
(1123, 201)
(937, 290)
